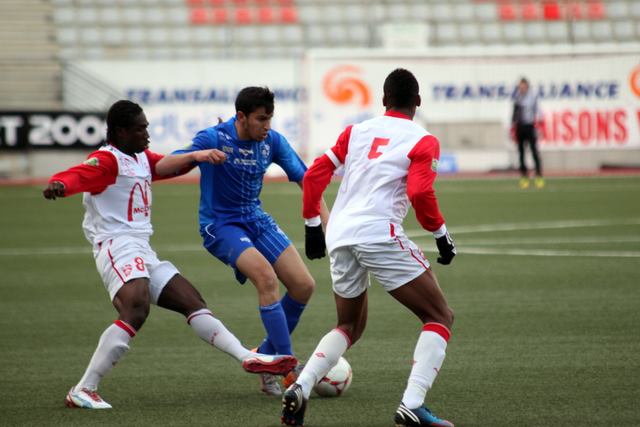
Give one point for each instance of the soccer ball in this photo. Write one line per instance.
(337, 380)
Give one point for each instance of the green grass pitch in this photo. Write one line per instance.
(546, 291)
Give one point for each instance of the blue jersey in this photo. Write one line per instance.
(230, 191)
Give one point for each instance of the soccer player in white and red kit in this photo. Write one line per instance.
(116, 181)
(389, 162)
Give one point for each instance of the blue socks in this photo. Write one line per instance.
(292, 311)
(275, 323)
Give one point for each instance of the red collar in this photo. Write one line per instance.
(393, 113)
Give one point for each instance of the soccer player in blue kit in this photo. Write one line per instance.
(234, 227)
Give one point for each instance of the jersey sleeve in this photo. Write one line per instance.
(99, 171)
(338, 153)
(204, 140)
(154, 158)
(288, 160)
(318, 177)
(420, 178)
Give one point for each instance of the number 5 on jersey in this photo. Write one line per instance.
(375, 145)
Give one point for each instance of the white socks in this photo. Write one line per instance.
(113, 344)
(215, 333)
(324, 357)
(427, 361)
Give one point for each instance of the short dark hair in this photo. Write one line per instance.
(401, 89)
(251, 98)
(524, 80)
(121, 115)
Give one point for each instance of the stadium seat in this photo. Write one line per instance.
(134, 16)
(398, 12)
(293, 34)
(64, 15)
(530, 11)
(179, 36)
(634, 9)
(177, 16)
(617, 10)
(447, 33)
(359, 35)
(513, 32)
(265, 15)
(535, 32)
(87, 16)
(110, 16)
(601, 31)
(67, 36)
(462, 12)
(243, 16)
(581, 31)
(442, 12)
(490, 33)
(507, 12)
(216, 3)
(288, 15)
(219, 16)
(469, 33)
(624, 31)
(486, 12)
(113, 36)
(89, 36)
(195, 3)
(595, 10)
(199, 16)
(551, 11)
(158, 36)
(558, 31)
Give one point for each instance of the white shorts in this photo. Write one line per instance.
(125, 258)
(393, 263)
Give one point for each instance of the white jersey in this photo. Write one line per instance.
(123, 208)
(372, 200)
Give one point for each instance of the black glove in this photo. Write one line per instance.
(314, 244)
(446, 248)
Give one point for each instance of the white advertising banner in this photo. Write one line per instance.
(182, 97)
(588, 102)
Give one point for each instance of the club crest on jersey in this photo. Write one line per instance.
(266, 149)
(434, 165)
(94, 161)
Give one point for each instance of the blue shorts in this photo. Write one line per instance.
(226, 241)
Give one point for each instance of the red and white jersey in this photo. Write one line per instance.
(388, 161)
(117, 192)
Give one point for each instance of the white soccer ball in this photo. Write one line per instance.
(337, 380)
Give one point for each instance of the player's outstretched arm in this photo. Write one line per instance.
(174, 163)
(53, 190)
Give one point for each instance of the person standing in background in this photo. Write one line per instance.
(523, 121)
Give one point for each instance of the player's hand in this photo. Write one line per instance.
(53, 190)
(314, 244)
(213, 156)
(446, 248)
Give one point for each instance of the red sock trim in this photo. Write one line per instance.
(438, 328)
(199, 313)
(126, 327)
(345, 335)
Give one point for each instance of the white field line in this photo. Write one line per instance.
(549, 225)
(549, 253)
(476, 247)
(552, 241)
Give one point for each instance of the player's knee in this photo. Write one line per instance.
(304, 289)
(266, 283)
(447, 318)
